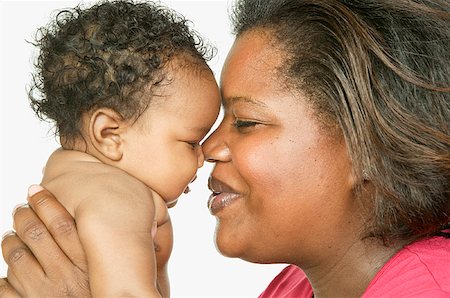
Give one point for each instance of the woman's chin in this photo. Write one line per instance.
(233, 250)
(232, 244)
(228, 244)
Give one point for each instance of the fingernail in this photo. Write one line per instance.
(9, 233)
(154, 229)
(19, 206)
(34, 189)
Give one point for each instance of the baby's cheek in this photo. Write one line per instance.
(182, 174)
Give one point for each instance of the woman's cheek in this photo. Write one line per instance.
(266, 161)
(261, 166)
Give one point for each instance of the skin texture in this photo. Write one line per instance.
(311, 171)
(45, 257)
(293, 179)
(167, 136)
(162, 151)
(120, 218)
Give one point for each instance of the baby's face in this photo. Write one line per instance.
(162, 148)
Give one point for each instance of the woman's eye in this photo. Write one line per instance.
(242, 124)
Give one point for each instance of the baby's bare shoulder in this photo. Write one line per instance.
(79, 181)
(116, 199)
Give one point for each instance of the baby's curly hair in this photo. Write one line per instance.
(102, 56)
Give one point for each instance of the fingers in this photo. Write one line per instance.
(20, 260)
(38, 267)
(59, 223)
(6, 290)
(14, 282)
(35, 237)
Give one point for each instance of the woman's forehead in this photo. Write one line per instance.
(252, 66)
(253, 50)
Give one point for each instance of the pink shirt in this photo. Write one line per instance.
(421, 269)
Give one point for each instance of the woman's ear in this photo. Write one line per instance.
(105, 128)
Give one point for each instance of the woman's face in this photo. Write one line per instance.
(282, 187)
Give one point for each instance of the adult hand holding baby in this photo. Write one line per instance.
(41, 264)
(58, 264)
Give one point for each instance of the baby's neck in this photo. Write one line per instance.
(61, 160)
(82, 145)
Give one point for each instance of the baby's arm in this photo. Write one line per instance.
(114, 221)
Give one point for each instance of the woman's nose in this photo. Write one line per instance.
(215, 148)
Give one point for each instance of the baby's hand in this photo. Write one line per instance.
(163, 236)
(163, 242)
(161, 212)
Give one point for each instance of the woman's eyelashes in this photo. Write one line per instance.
(244, 125)
(246, 119)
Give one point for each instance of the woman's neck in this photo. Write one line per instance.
(347, 274)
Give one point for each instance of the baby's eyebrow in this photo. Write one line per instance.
(200, 130)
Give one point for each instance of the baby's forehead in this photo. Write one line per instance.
(186, 64)
(184, 69)
(180, 80)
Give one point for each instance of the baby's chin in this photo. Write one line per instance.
(170, 202)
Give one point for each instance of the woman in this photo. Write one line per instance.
(333, 154)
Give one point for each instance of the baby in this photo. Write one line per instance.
(132, 97)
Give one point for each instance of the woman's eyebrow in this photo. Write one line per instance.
(236, 99)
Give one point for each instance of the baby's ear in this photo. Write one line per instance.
(105, 128)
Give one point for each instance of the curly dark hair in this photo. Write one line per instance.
(104, 55)
(379, 69)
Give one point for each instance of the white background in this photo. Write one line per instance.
(196, 268)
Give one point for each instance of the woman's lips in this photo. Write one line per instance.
(223, 195)
(218, 201)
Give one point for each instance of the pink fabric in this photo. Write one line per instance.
(290, 283)
(421, 269)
